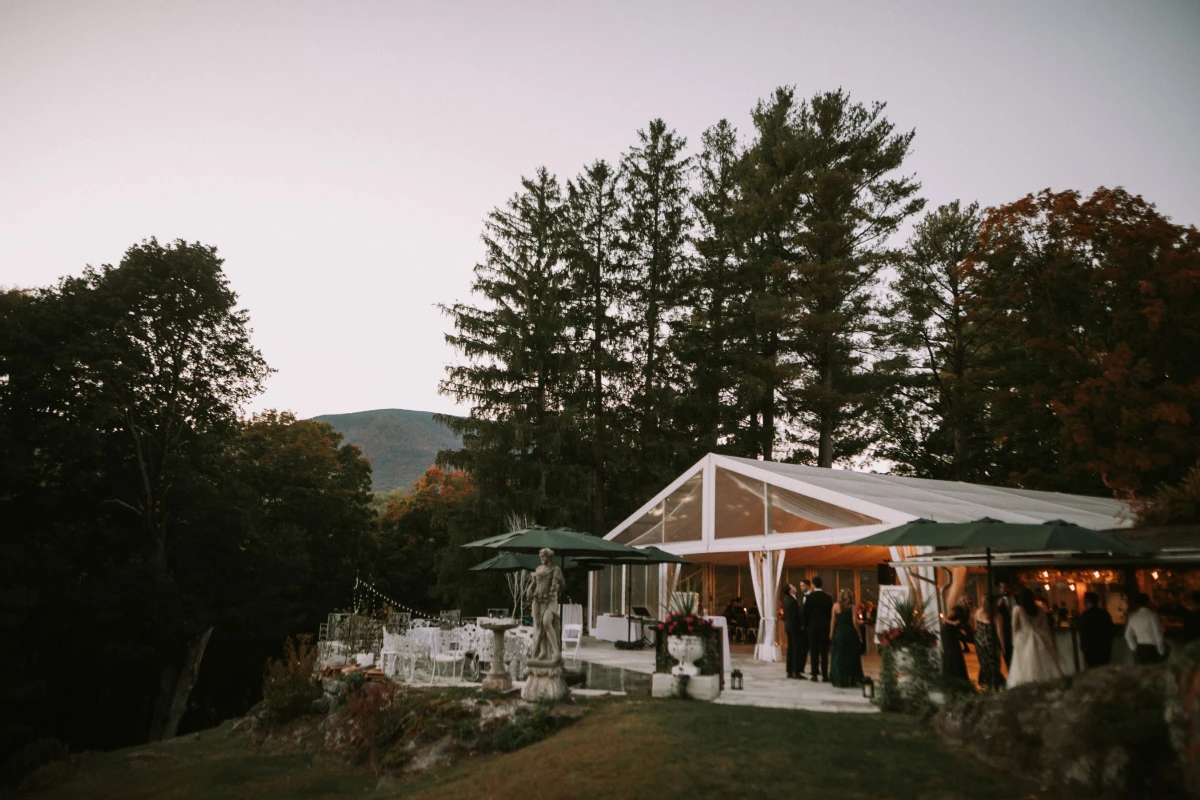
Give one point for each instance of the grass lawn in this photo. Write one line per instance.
(625, 749)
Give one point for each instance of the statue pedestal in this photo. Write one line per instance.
(544, 682)
(498, 677)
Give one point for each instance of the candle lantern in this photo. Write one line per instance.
(868, 687)
(735, 679)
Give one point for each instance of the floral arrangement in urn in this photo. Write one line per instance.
(678, 623)
(909, 648)
(686, 635)
(906, 636)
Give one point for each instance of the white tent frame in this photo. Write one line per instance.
(892, 499)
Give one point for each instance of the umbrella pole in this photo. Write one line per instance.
(992, 613)
(628, 600)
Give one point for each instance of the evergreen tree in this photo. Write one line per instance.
(711, 341)
(518, 370)
(594, 283)
(943, 331)
(654, 225)
(770, 181)
(850, 203)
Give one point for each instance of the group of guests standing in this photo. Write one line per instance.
(815, 625)
(1017, 629)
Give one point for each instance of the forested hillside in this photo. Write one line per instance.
(400, 444)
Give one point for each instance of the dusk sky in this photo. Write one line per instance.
(342, 155)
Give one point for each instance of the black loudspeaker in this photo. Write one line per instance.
(885, 575)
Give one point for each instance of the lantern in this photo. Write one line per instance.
(868, 688)
(735, 679)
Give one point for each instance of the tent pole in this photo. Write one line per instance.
(992, 614)
(629, 599)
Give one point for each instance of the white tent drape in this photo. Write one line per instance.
(766, 567)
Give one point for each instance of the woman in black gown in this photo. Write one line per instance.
(845, 668)
(988, 646)
(953, 663)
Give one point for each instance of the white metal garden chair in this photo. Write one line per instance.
(516, 652)
(389, 654)
(409, 654)
(452, 653)
(572, 634)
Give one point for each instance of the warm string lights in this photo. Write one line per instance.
(1072, 578)
(364, 602)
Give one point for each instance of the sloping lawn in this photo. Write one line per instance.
(624, 749)
(674, 749)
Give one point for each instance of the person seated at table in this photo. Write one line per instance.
(752, 620)
(734, 610)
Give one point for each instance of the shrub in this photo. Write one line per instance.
(375, 716)
(525, 728)
(289, 686)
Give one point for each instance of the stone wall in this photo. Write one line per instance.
(1116, 731)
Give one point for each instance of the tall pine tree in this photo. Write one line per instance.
(710, 340)
(770, 181)
(851, 201)
(594, 284)
(518, 370)
(935, 418)
(654, 227)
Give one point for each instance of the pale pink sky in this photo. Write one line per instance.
(342, 155)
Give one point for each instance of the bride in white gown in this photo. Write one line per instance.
(1033, 648)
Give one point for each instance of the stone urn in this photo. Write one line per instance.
(687, 650)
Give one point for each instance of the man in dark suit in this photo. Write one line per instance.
(818, 611)
(791, 626)
(801, 598)
(1095, 632)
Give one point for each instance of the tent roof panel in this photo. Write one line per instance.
(952, 501)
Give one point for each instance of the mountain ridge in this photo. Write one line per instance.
(400, 443)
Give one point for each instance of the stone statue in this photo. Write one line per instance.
(544, 679)
(547, 626)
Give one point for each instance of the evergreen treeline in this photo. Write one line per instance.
(748, 297)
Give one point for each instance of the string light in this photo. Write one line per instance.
(1067, 577)
(375, 593)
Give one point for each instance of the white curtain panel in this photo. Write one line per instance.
(765, 569)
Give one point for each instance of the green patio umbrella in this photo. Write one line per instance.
(992, 534)
(511, 563)
(562, 541)
(516, 562)
(643, 555)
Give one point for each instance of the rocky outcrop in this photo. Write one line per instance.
(1115, 731)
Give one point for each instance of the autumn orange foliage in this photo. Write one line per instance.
(1106, 294)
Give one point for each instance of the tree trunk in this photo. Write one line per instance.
(768, 424)
(958, 403)
(175, 686)
(599, 317)
(825, 444)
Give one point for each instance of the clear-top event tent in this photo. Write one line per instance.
(750, 525)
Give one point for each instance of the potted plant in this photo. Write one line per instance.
(909, 647)
(686, 634)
